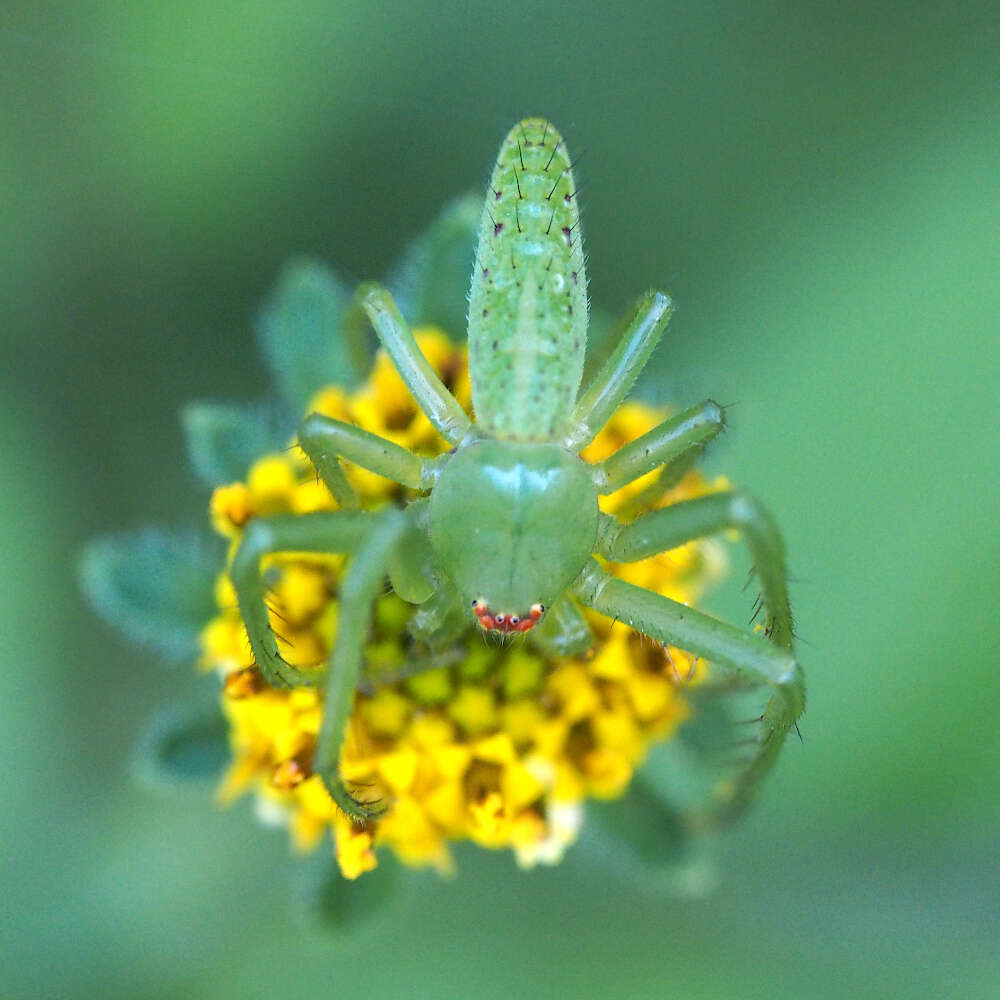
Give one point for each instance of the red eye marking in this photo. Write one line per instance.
(504, 622)
(481, 612)
(534, 613)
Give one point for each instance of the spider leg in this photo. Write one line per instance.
(357, 596)
(563, 631)
(321, 531)
(327, 465)
(756, 659)
(669, 444)
(645, 324)
(409, 564)
(427, 389)
(665, 529)
(441, 618)
(326, 440)
(769, 661)
(370, 538)
(674, 624)
(650, 496)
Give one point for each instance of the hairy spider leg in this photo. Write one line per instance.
(646, 322)
(769, 661)
(429, 392)
(329, 469)
(756, 659)
(326, 441)
(669, 444)
(361, 586)
(320, 531)
(668, 527)
(669, 476)
(370, 539)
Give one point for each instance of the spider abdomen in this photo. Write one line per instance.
(528, 303)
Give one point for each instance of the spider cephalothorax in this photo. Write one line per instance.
(531, 512)
(502, 532)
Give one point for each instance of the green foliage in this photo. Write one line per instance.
(329, 902)
(153, 585)
(817, 189)
(651, 836)
(183, 744)
(683, 772)
(645, 839)
(431, 281)
(301, 333)
(224, 439)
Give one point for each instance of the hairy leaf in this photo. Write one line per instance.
(656, 835)
(182, 744)
(224, 439)
(645, 839)
(330, 902)
(431, 281)
(301, 331)
(154, 586)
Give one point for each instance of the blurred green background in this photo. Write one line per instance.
(817, 186)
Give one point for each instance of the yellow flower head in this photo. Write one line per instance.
(499, 744)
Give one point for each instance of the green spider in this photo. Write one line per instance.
(505, 527)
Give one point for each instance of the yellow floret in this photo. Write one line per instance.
(502, 745)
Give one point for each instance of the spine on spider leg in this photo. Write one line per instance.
(528, 303)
